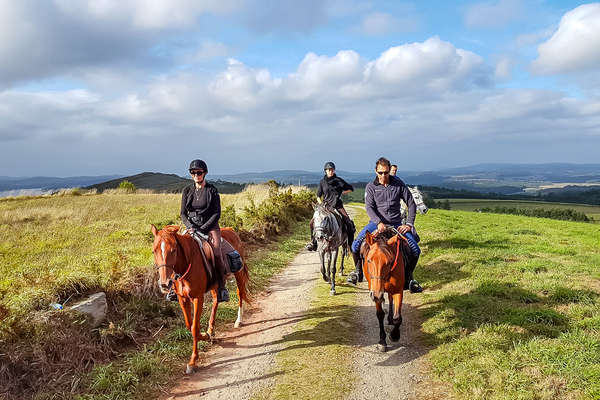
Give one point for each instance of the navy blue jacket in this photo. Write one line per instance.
(383, 203)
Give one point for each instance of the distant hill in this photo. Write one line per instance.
(159, 182)
(46, 183)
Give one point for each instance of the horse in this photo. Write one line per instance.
(418, 198)
(330, 236)
(384, 270)
(181, 264)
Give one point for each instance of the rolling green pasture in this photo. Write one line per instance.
(473, 204)
(511, 305)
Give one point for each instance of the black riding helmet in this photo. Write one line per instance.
(329, 164)
(198, 164)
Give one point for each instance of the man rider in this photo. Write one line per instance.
(331, 189)
(200, 213)
(382, 202)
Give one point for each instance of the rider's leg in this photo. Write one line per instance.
(215, 241)
(413, 285)
(357, 275)
(350, 228)
(312, 245)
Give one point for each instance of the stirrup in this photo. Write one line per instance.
(311, 246)
(415, 287)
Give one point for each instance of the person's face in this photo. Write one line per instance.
(329, 172)
(383, 174)
(198, 175)
(393, 171)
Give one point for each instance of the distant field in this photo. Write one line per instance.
(473, 204)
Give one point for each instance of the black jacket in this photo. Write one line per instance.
(331, 189)
(204, 219)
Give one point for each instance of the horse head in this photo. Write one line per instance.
(418, 198)
(325, 224)
(166, 249)
(380, 261)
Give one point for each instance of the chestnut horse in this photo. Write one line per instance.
(181, 264)
(384, 270)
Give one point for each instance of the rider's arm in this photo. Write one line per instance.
(215, 205)
(184, 217)
(371, 206)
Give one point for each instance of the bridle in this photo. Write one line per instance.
(174, 276)
(387, 276)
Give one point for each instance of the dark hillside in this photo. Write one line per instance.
(159, 182)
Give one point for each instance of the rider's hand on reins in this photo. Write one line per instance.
(404, 228)
(381, 227)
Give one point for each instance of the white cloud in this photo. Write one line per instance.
(575, 46)
(493, 14)
(504, 67)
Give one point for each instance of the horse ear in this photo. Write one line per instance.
(369, 238)
(154, 230)
(392, 240)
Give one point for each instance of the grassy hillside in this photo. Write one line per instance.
(55, 248)
(511, 306)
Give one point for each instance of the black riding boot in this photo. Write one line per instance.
(409, 281)
(312, 245)
(222, 292)
(356, 275)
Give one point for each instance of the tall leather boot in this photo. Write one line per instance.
(222, 292)
(409, 281)
(351, 230)
(356, 275)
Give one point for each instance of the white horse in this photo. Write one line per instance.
(418, 198)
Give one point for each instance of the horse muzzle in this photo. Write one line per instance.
(377, 297)
(165, 287)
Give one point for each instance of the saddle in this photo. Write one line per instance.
(228, 252)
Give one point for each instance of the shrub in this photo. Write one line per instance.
(563, 214)
(127, 187)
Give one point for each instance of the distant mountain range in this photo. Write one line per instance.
(499, 178)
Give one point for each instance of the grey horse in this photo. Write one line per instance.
(418, 198)
(329, 235)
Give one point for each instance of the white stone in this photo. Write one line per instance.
(95, 306)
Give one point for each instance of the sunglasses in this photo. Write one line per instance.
(382, 172)
(196, 172)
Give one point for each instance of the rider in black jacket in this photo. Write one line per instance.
(200, 212)
(331, 189)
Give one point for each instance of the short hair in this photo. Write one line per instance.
(383, 161)
(394, 166)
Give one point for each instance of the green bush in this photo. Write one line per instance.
(563, 214)
(127, 187)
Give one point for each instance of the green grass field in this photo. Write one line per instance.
(511, 306)
(473, 204)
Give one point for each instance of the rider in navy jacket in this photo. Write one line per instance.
(382, 202)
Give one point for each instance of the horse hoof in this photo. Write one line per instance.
(190, 369)
(326, 279)
(382, 348)
(395, 337)
(237, 324)
(332, 292)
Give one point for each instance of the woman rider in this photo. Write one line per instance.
(200, 212)
(331, 189)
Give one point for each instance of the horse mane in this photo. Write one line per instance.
(190, 250)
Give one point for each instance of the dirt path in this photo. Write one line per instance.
(238, 364)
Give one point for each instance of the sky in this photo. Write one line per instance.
(94, 87)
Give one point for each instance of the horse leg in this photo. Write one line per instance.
(397, 317)
(322, 256)
(213, 313)
(333, 271)
(328, 260)
(382, 346)
(186, 307)
(344, 255)
(238, 321)
(198, 304)
(390, 310)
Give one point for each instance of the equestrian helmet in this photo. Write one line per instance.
(198, 164)
(328, 165)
